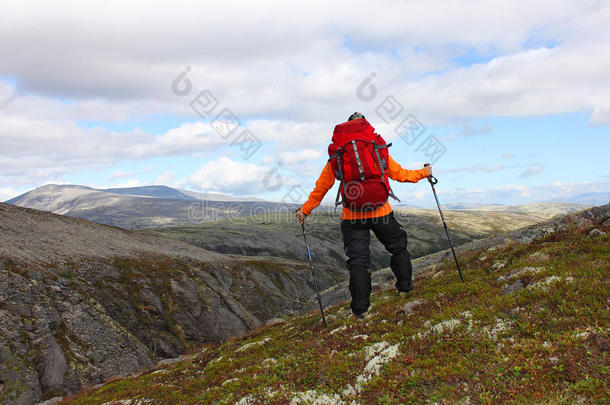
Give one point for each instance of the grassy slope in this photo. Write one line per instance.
(545, 343)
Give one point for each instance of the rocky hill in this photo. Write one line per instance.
(141, 207)
(81, 302)
(531, 324)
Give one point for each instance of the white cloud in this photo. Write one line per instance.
(8, 193)
(165, 178)
(41, 148)
(601, 114)
(297, 157)
(6, 92)
(507, 155)
(532, 170)
(250, 61)
(470, 130)
(517, 193)
(230, 176)
(288, 76)
(118, 174)
(129, 183)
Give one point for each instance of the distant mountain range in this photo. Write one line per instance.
(541, 209)
(162, 206)
(584, 199)
(142, 207)
(595, 199)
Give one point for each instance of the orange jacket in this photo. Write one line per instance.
(327, 179)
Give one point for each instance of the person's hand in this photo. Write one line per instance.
(300, 216)
(428, 170)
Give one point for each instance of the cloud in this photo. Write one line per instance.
(230, 176)
(129, 183)
(551, 62)
(601, 114)
(516, 193)
(249, 61)
(6, 92)
(507, 155)
(532, 170)
(47, 149)
(291, 158)
(470, 130)
(165, 178)
(118, 174)
(8, 193)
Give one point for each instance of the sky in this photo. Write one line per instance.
(509, 100)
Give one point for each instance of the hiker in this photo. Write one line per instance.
(359, 159)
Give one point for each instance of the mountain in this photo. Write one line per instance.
(542, 209)
(589, 198)
(278, 234)
(151, 191)
(198, 195)
(142, 207)
(81, 302)
(529, 325)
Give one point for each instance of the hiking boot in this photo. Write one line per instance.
(405, 293)
(359, 315)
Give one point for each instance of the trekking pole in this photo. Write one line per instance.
(433, 181)
(313, 273)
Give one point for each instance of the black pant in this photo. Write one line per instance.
(356, 240)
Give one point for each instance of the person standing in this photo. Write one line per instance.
(359, 159)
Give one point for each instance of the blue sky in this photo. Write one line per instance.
(520, 100)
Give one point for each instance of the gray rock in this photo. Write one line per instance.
(540, 257)
(582, 222)
(525, 270)
(167, 362)
(274, 321)
(511, 288)
(410, 306)
(53, 365)
(51, 401)
(596, 232)
(498, 266)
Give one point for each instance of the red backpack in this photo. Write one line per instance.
(358, 157)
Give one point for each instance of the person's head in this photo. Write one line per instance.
(355, 116)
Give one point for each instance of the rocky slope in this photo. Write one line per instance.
(81, 302)
(530, 325)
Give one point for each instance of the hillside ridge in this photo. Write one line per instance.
(531, 324)
(82, 302)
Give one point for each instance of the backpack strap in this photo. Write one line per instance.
(358, 162)
(337, 156)
(383, 166)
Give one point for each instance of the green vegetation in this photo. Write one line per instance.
(545, 342)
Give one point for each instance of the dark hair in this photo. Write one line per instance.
(355, 116)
